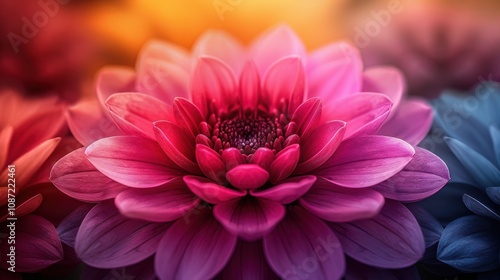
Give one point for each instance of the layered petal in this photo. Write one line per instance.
(386, 80)
(284, 163)
(211, 164)
(111, 80)
(211, 192)
(248, 263)
(247, 176)
(68, 228)
(286, 191)
(222, 46)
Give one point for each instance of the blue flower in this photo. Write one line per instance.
(466, 135)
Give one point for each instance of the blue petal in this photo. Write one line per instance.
(482, 206)
(447, 205)
(430, 226)
(483, 171)
(471, 244)
(494, 194)
(495, 137)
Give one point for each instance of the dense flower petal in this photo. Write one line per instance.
(302, 240)
(133, 114)
(133, 161)
(249, 218)
(365, 161)
(263, 157)
(392, 239)
(211, 164)
(211, 192)
(287, 191)
(187, 115)
(196, 254)
(232, 158)
(307, 117)
(425, 175)
(247, 176)
(104, 239)
(222, 46)
(248, 263)
(313, 153)
(470, 244)
(68, 228)
(284, 163)
(160, 204)
(338, 204)
(250, 87)
(482, 206)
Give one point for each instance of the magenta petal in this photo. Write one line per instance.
(211, 192)
(161, 204)
(215, 82)
(307, 117)
(249, 218)
(286, 81)
(177, 144)
(249, 87)
(392, 239)
(211, 164)
(263, 157)
(106, 239)
(320, 146)
(232, 158)
(187, 115)
(284, 163)
(194, 249)
(132, 161)
(134, 113)
(143, 270)
(338, 204)
(422, 177)
(76, 177)
(248, 263)
(287, 191)
(247, 176)
(37, 244)
(411, 121)
(68, 228)
(367, 160)
(365, 113)
(302, 240)
(111, 80)
(386, 80)
(222, 46)
(274, 45)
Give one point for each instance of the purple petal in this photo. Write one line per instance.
(68, 228)
(358, 271)
(386, 80)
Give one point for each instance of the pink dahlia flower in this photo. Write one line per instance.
(449, 48)
(250, 163)
(30, 139)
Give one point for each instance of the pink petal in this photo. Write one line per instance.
(132, 161)
(76, 177)
(68, 228)
(161, 204)
(5, 138)
(248, 263)
(211, 192)
(249, 87)
(223, 46)
(37, 244)
(187, 115)
(411, 121)
(213, 81)
(211, 164)
(392, 239)
(162, 79)
(286, 81)
(111, 80)
(274, 45)
(386, 80)
(88, 123)
(320, 146)
(422, 177)
(232, 158)
(367, 160)
(287, 191)
(337, 51)
(364, 113)
(302, 240)
(284, 163)
(30, 162)
(164, 52)
(263, 157)
(249, 218)
(338, 204)
(247, 176)
(187, 252)
(307, 117)
(134, 113)
(177, 144)
(337, 78)
(106, 239)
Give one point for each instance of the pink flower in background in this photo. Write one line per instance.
(250, 163)
(43, 48)
(436, 47)
(30, 139)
